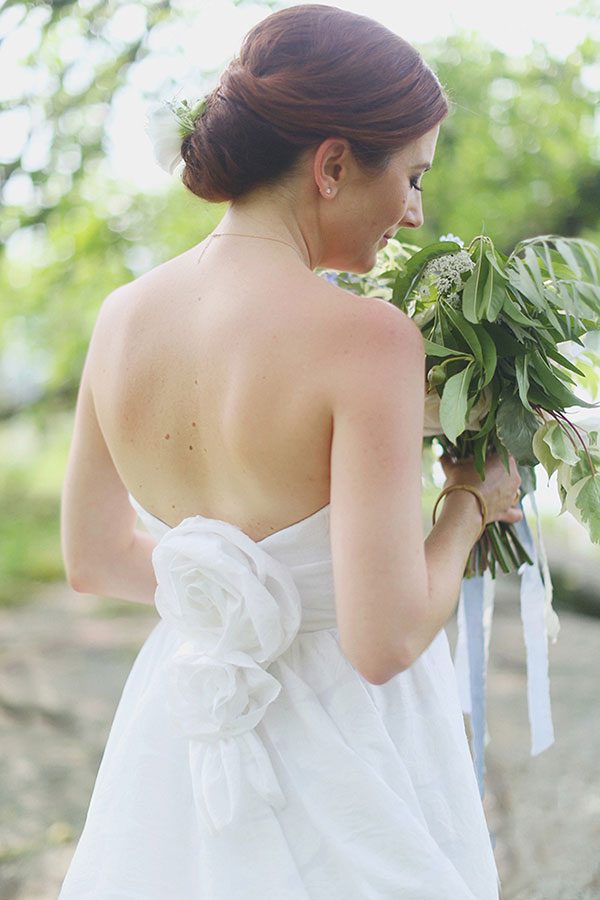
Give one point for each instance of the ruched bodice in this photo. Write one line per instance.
(248, 759)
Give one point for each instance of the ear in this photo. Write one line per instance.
(332, 163)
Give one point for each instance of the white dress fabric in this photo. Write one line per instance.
(249, 760)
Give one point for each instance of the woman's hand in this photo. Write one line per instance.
(500, 490)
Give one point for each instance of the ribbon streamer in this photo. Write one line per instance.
(471, 654)
(472, 602)
(536, 596)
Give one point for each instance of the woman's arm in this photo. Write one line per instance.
(394, 590)
(103, 552)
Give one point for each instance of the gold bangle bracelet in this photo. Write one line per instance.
(472, 490)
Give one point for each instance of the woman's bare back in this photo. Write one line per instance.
(210, 382)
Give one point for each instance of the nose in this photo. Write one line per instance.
(413, 217)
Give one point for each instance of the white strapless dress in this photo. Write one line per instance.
(249, 760)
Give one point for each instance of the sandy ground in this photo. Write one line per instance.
(64, 659)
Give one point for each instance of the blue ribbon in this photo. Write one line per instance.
(471, 655)
(472, 600)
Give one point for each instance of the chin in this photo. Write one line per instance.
(362, 267)
(355, 266)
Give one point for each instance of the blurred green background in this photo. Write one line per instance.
(518, 156)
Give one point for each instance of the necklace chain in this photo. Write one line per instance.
(258, 237)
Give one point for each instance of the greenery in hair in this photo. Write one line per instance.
(187, 114)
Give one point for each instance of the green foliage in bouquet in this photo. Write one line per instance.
(499, 333)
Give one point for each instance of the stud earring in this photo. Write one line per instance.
(328, 190)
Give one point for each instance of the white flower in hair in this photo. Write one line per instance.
(167, 126)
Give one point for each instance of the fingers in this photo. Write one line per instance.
(512, 515)
(500, 488)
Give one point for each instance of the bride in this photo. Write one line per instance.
(291, 728)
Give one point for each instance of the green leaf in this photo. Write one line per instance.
(554, 354)
(453, 405)
(561, 394)
(490, 356)
(494, 258)
(528, 479)
(490, 419)
(521, 366)
(502, 452)
(493, 294)
(532, 263)
(561, 446)
(562, 496)
(504, 341)
(543, 450)
(479, 448)
(520, 277)
(473, 289)
(588, 503)
(564, 248)
(433, 349)
(467, 332)
(510, 309)
(591, 256)
(589, 294)
(444, 332)
(586, 464)
(515, 427)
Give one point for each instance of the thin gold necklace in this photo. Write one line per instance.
(258, 237)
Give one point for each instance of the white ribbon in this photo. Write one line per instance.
(536, 613)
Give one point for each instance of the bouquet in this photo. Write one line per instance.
(507, 338)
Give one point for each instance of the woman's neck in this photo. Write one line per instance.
(270, 215)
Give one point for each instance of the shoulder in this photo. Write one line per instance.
(370, 340)
(369, 317)
(381, 326)
(124, 300)
(120, 314)
(108, 325)
(115, 305)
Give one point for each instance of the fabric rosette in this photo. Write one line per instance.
(215, 698)
(237, 609)
(220, 588)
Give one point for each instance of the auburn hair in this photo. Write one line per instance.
(304, 74)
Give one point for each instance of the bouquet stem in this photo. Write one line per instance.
(499, 545)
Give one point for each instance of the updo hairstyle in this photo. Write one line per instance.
(304, 74)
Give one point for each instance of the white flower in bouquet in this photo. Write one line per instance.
(447, 273)
(452, 237)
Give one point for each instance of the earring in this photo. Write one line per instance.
(328, 190)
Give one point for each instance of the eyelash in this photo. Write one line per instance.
(413, 184)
